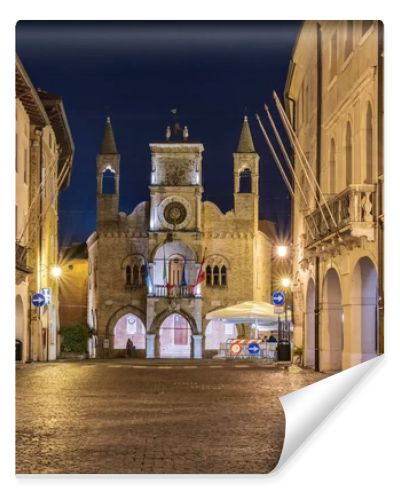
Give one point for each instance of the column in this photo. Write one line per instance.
(197, 346)
(150, 345)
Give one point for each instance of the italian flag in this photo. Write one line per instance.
(202, 273)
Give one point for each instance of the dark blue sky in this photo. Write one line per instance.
(136, 72)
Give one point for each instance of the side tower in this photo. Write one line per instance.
(246, 174)
(107, 180)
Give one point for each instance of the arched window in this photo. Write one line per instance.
(128, 275)
(245, 181)
(368, 145)
(208, 276)
(332, 167)
(349, 155)
(135, 276)
(216, 276)
(223, 276)
(108, 181)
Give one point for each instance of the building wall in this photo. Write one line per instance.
(22, 147)
(231, 240)
(44, 149)
(44, 240)
(349, 85)
(73, 292)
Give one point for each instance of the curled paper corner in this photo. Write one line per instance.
(306, 408)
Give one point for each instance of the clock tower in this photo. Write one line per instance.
(176, 182)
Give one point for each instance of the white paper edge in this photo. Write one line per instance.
(306, 408)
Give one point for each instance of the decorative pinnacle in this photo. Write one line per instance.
(246, 144)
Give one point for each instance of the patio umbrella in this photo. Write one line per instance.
(261, 313)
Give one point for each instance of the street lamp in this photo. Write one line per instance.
(282, 250)
(56, 271)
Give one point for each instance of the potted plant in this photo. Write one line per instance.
(298, 355)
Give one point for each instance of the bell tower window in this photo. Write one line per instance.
(108, 181)
(245, 181)
(135, 276)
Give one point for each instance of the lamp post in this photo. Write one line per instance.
(56, 271)
(283, 282)
(286, 282)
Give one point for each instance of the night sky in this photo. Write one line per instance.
(136, 72)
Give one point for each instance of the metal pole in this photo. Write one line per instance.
(318, 177)
(30, 329)
(286, 324)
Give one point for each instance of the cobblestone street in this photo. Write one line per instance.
(155, 416)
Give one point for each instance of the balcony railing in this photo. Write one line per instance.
(354, 208)
(174, 291)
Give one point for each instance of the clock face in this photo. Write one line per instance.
(175, 213)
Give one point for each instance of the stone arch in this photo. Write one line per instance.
(171, 248)
(217, 259)
(363, 312)
(118, 314)
(331, 341)
(136, 258)
(217, 270)
(131, 269)
(157, 328)
(159, 320)
(160, 268)
(156, 323)
(309, 354)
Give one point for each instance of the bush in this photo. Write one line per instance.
(74, 338)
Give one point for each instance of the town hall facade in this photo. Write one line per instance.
(155, 274)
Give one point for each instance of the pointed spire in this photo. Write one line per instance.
(246, 141)
(108, 146)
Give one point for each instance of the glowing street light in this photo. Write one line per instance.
(285, 282)
(282, 250)
(56, 271)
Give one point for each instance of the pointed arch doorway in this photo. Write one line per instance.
(175, 337)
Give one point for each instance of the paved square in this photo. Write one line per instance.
(139, 416)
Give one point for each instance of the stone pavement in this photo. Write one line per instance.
(152, 416)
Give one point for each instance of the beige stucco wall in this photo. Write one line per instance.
(346, 94)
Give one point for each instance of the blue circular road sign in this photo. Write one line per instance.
(38, 300)
(253, 348)
(278, 298)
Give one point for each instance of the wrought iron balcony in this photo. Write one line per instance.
(354, 211)
(171, 291)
